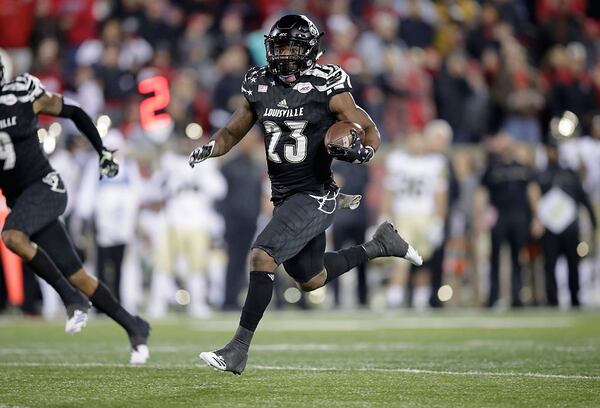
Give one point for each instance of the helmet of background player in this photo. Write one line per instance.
(293, 46)
(2, 72)
(5, 67)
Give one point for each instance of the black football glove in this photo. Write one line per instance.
(108, 166)
(356, 153)
(201, 153)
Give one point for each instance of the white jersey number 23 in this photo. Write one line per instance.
(293, 152)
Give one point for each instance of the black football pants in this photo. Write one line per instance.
(555, 245)
(238, 235)
(511, 227)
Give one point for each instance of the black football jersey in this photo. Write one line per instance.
(21, 158)
(295, 119)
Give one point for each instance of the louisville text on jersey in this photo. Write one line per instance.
(283, 113)
(8, 122)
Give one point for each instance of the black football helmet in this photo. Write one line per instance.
(293, 45)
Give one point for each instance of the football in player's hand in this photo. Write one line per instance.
(343, 133)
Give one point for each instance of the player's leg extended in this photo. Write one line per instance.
(60, 248)
(386, 242)
(33, 210)
(295, 222)
(76, 304)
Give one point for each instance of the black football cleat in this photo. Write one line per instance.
(139, 342)
(228, 358)
(387, 242)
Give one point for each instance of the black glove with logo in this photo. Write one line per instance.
(356, 153)
(201, 153)
(108, 166)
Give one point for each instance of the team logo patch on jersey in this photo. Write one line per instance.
(303, 87)
(262, 88)
(8, 99)
(54, 181)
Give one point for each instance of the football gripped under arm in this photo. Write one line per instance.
(71, 110)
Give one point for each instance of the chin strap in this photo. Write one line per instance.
(288, 81)
(296, 76)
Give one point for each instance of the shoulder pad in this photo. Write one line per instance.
(26, 87)
(331, 79)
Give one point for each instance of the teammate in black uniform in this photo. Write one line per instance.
(296, 101)
(37, 197)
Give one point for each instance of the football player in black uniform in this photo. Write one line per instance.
(37, 197)
(296, 100)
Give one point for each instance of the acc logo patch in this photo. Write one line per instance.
(303, 87)
(8, 99)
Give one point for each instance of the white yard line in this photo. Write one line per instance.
(294, 325)
(435, 372)
(374, 322)
(415, 371)
(89, 365)
(488, 374)
(480, 344)
(460, 347)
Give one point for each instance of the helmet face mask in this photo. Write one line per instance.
(286, 57)
(292, 47)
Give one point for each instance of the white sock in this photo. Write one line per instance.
(197, 287)
(394, 296)
(159, 293)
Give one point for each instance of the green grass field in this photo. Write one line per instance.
(448, 359)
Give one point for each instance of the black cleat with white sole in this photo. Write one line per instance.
(139, 342)
(228, 358)
(387, 242)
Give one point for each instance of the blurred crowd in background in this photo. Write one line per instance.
(490, 162)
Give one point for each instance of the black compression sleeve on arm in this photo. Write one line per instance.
(83, 122)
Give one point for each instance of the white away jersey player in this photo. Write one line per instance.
(189, 196)
(295, 119)
(415, 180)
(583, 151)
